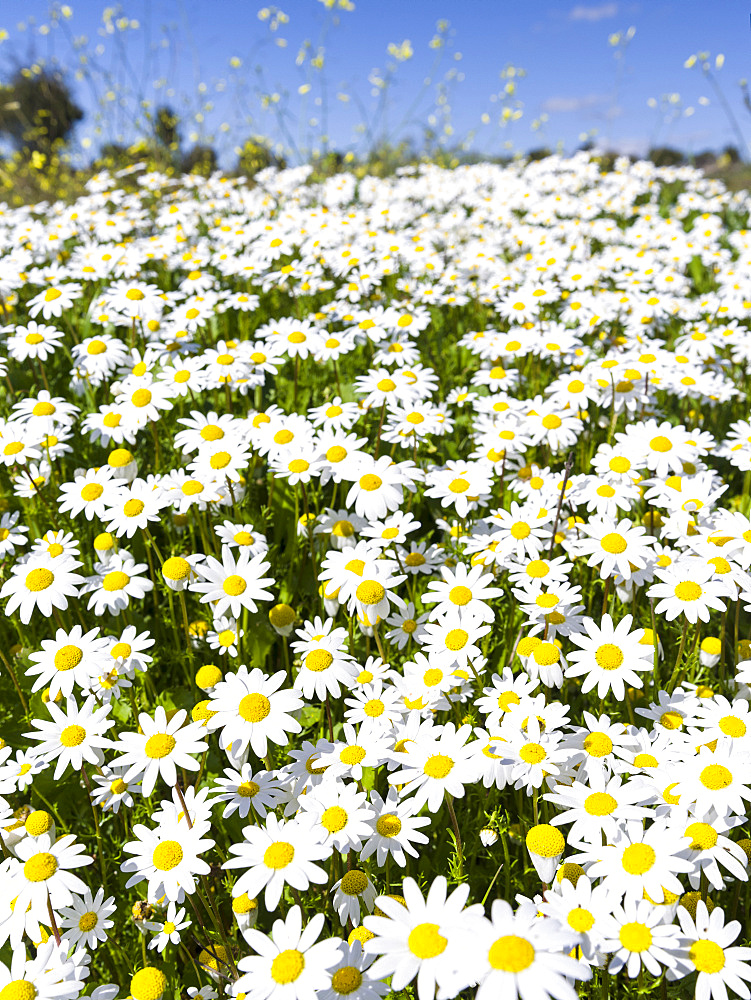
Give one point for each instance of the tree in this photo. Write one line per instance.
(166, 128)
(199, 159)
(37, 111)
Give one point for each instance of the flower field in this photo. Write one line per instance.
(375, 568)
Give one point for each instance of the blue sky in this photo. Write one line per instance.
(572, 74)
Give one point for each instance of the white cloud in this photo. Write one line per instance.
(560, 103)
(583, 13)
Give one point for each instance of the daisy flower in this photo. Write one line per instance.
(87, 920)
(42, 872)
(424, 938)
(290, 963)
(116, 583)
(620, 547)
(640, 861)
(467, 591)
(377, 487)
(251, 710)
(71, 658)
(133, 507)
(437, 767)
(167, 858)
(89, 493)
(42, 583)
(637, 935)
(74, 735)
(159, 748)
(394, 829)
(351, 978)
(707, 949)
(687, 588)
(341, 814)
(233, 584)
(277, 854)
(350, 892)
(242, 789)
(609, 656)
(168, 930)
(518, 955)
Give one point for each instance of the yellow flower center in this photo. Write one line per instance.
(638, 859)
(598, 744)
(159, 745)
(424, 941)
(72, 736)
(438, 765)
(532, 753)
(546, 841)
(39, 579)
(715, 777)
(609, 657)
(248, 789)
(688, 591)
(116, 580)
(234, 585)
(40, 867)
(354, 883)
(459, 485)
(635, 936)
(660, 443)
(613, 543)
(87, 922)
(278, 855)
(600, 804)
(511, 953)
(148, 984)
(388, 825)
(580, 920)
(370, 482)
(288, 964)
(334, 819)
(254, 707)
(68, 657)
(352, 755)
(133, 508)
(346, 980)
(707, 956)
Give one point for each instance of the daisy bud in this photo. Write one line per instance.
(282, 618)
(148, 984)
(104, 546)
(546, 845)
(709, 651)
(40, 822)
(690, 900)
(569, 871)
(201, 712)
(488, 837)
(329, 595)
(746, 845)
(197, 631)
(245, 910)
(361, 934)
(378, 912)
(208, 676)
(16, 831)
(215, 961)
(349, 892)
(123, 464)
(648, 639)
(176, 572)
